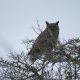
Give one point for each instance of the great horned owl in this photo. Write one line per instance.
(45, 42)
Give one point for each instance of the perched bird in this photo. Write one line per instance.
(45, 42)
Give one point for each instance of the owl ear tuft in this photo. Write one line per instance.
(47, 23)
(57, 23)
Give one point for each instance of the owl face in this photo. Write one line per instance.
(52, 26)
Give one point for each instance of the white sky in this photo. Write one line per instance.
(18, 16)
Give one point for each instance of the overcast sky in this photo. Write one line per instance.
(17, 17)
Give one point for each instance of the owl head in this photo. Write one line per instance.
(52, 26)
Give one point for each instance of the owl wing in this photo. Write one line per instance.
(39, 42)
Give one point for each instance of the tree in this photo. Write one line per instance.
(63, 63)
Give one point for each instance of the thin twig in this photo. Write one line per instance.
(38, 25)
(35, 30)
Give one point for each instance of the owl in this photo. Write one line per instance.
(45, 42)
